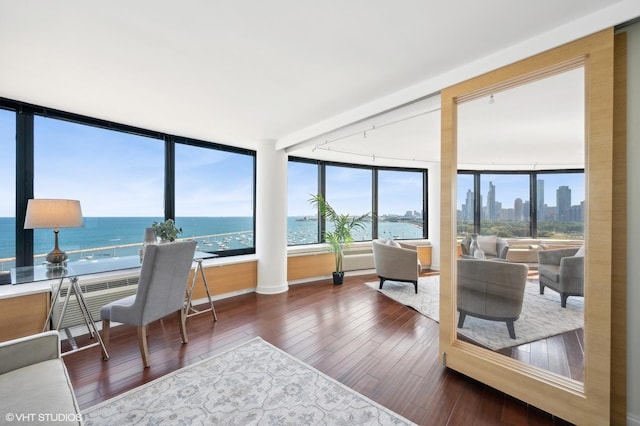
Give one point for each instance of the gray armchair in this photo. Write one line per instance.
(563, 271)
(161, 291)
(492, 246)
(491, 290)
(395, 263)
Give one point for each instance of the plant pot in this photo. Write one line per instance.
(338, 277)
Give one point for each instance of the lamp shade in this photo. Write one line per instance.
(47, 213)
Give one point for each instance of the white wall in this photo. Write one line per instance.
(633, 229)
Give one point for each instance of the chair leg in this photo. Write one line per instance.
(461, 319)
(512, 330)
(541, 288)
(415, 284)
(381, 282)
(183, 327)
(144, 348)
(106, 327)
(563, 299)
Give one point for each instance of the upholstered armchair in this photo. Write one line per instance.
(394, 262)
(493, 247)
(491, 290)
(563, 271)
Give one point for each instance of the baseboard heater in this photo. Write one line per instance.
(96, 294)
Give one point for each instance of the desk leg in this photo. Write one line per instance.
(52, 304)
(189, 310)
(84, 309)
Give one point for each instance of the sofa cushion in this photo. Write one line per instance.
(580, 251)
(42, 389)
(488, 244)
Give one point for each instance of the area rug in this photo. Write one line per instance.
(252, 384)
(541, 317)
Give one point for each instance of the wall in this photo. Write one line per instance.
(633, 230)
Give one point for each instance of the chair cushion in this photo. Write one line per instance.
(393, 243)
(550, 272)
(488, 244)
(580, 251)
(105, 311)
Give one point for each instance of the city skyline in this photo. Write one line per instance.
(557, 204)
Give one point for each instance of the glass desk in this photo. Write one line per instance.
(73, 270)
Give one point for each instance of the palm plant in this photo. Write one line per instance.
(343, 224)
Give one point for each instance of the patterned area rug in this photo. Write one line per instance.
(252, 384)
(541, 317)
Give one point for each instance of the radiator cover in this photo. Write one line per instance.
(96, 294)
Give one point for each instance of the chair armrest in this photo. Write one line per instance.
(502, 248)
(553, 257)
(572, 268)
(29, 350)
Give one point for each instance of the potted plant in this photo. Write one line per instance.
(340, 236)
(166, 230)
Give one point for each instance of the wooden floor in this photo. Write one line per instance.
(378, 347)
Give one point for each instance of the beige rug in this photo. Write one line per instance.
(541, 317)
(252, 384)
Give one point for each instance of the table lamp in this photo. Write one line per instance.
(56, 214)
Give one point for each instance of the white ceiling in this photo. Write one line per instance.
(245, 71)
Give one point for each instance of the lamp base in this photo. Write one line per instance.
(57, 257)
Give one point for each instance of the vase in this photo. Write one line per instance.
(474, 244)
(338, 277)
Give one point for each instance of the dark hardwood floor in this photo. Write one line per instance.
(352, 333)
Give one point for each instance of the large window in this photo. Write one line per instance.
(349, 191)
(561, 207)
(396, 199)
(117, 176)
(302, 220)
(504, 206)
(400, 204)
(125, 178)
(7, 190)
(214, 197)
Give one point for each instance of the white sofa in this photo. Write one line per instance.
(35, 388)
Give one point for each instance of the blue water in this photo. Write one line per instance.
(122, 236)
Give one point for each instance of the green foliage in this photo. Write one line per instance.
(166, 230)
(343, 224)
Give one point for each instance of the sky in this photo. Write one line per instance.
(120, 174)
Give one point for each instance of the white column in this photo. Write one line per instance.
(271, 218)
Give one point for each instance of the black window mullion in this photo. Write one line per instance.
(169, 178)
(24, 186)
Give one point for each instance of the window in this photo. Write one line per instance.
(302, 220)
(118, 178)
(506, 205)
(7, 189)
(214, 197)
(349, 191)
(465, 204)
(560, 209)
(505, 208)
(400, 204)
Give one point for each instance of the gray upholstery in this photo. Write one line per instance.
(493, 247)
(491, 290)
(161, 291)
(34, 379)
(395, 263)
(562, 271)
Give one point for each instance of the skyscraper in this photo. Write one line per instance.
(491, 202)
(540, 199)
(563, 203)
